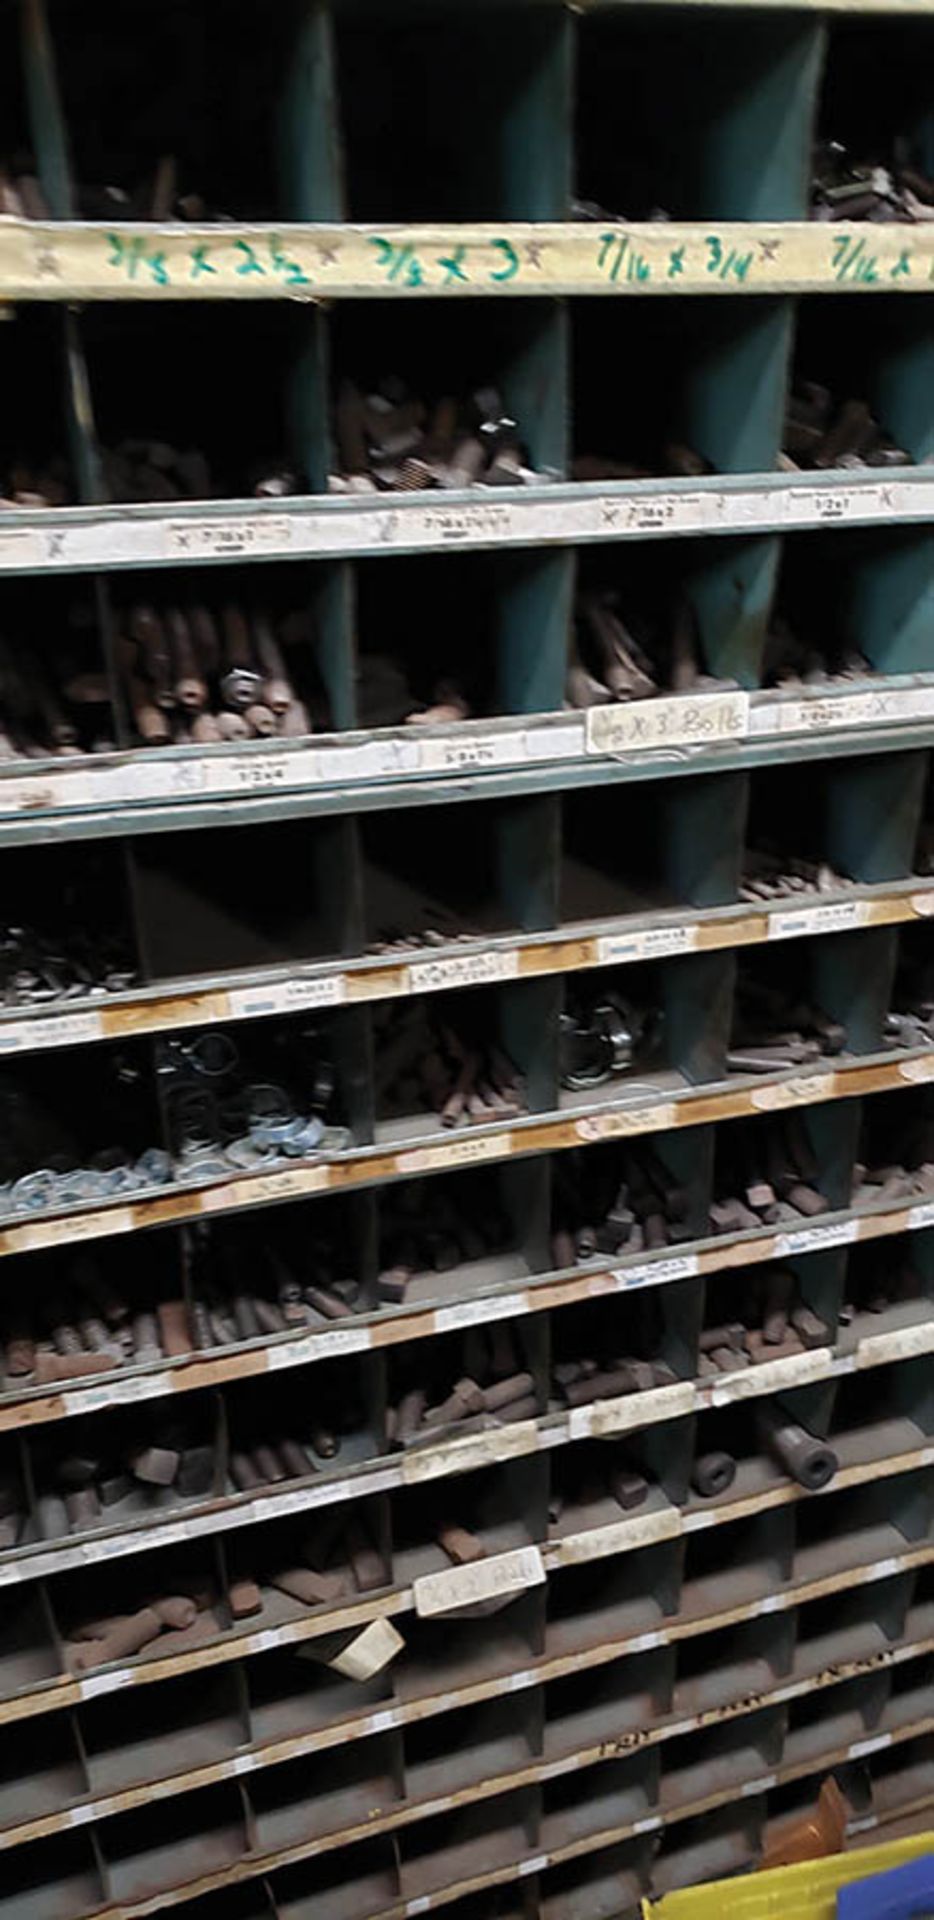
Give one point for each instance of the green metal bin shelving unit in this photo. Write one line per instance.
(606, 1707)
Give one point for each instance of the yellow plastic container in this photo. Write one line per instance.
(807, 1891)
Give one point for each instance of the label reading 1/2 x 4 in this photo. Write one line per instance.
(706, 719)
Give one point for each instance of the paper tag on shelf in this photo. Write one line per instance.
(922, 1216)
(369, 1652)
(608, 1126)
(646, 943)
(470, 1450)
(463, 970)
(683, 720)
(462, 753)
(812, 1239)
(631, 1410)
(451, 525)
(656, 1273)
(227, 537)
(91, 1685)
(917, 1071)
(254, 1189)
(20, 547)
(465, 1151)
(114, 1392)
(900, 1344)
(922, 904)
(286, 996)
(770, 1376)
(834, 916)
(58, 1030)
(471, 1313)
(643, 1530)
(800, 1091)
(320, 1344)
(827, 505)
(872, 1745)
(73, 1227)
(502, 1573)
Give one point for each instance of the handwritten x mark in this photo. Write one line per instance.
(533, 253)
(327, 251)
(768, 249)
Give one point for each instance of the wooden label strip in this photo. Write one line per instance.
(64, 261)
(361, 1167)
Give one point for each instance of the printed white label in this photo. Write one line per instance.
(503, 1573)
(876, 706)
(59, 1030)
(835, 916)
(286, 996)
(235, 534)
(319, 1345)
(517, 1682)
(20, 547)
(643, 1530)
(631, 1410)
(464, 1453)
(922, 904)
(536, 1865)
(657, 1273)
(878, 1741)
(684, 720)
(922, 1216)
(835, 503)
(650, 943)
(793, 1370)
(763, 1785)
(369, 1652)
(800, 1091)
(877, 1348)
(812, 1239)
(880, 1570)
(464, 970)
(75, 1226)
(112, 1393)
(97, 1683)
(644, 1642)
(469, 1313)
(451, 525)
(465, 753)
(455, 1153)
(253, 1190)
(607, 1126)
(917, 1071)
(264, 1642)
(255, 772)
(382, 1722)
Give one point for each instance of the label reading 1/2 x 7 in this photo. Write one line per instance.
(685, 720)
